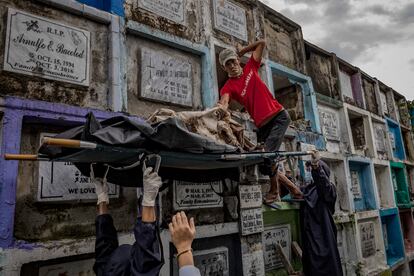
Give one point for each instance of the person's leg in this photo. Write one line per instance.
(272, 143)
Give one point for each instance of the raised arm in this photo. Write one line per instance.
(257, 48)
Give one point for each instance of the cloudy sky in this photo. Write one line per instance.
(374, 35)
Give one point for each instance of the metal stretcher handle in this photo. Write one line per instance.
(68, 143)
(157, 162)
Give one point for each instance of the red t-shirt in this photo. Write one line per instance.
(252, 93)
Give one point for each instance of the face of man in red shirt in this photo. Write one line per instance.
(233, 68)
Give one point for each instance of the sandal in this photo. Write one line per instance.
(270, 198)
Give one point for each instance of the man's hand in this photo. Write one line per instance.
(239, 49)
(101, 188)
(152, 183)
(315, 157)
(182, 231)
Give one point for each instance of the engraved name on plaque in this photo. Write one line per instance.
(230, 18)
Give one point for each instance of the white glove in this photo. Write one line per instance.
(101, 188)
(152, 182)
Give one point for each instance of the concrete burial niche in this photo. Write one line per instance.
(347, 243)
(80, 79)
(393, 238)
(361, 181)
(181, 18)
(165, 77)
(382, 146)
(220, 255)
(338, 177)
(360, 131)
(407, 136)
(370, 95)
(284, 41)
(333, 128)
(399, 180)
(384, 185)
(403, 114)
(384, 92)
(396, 141)
(351, 87)
(370, 244)
(53, 200)
(284, 226)
(407, 226)
(321, 67)
(410, 177)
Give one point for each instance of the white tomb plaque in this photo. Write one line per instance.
(379, 132)
(394, 181)
(355, 184)
(367, 232)
(62, 181)
(253, 263)
(383, 99)
(45, 48)
(230, 18)
(250, 196)
(173, 10)
(251, 221)
(270, 238)
(330, 124)
(83, 267)
(166, 78)
(189, 195)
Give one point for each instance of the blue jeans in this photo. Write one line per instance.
(272, 132)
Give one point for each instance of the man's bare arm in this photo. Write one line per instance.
(224, 101)
(257, 49)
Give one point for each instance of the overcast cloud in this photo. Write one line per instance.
(375, 35)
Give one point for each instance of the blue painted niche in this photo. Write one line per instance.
(112, 6)
(397, 144)
(362, 185)
(393, 238)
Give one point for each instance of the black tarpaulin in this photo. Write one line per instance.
(125, 139)
(320, 252)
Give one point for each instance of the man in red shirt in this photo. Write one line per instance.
(245, 86)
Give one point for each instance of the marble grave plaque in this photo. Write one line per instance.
(330, 124)
(251, 221)
(230, 18)
(188, 195)
(270, 238)
(45, 48)
(250, 196)
(166, 78)
(253, 263)
(367, 233)
(82, 267)
(173, 10)
(355, 184)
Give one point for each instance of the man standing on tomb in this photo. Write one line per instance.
(245, 86)
(320, 255)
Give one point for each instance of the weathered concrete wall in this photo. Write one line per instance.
(191, 26)
(36, 221)
(137, 105)
(322, 70)
(53, 91)
(284, 43)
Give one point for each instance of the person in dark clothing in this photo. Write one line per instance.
(320, 254)
(144, 257)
